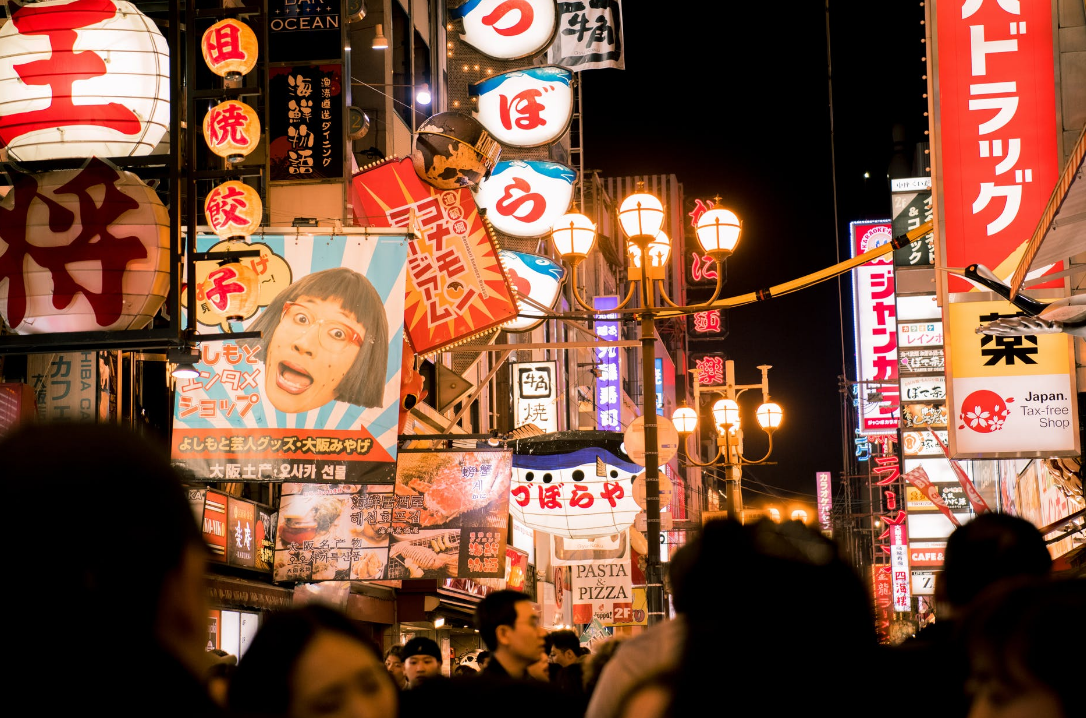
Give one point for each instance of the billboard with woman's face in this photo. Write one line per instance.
(316, 397)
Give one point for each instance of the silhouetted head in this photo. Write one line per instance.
(990, 548)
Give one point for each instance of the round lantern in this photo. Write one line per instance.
(79, 81)
(232, 130)
(231, 287)
(84, 250)
(233, 209)
(229, 48)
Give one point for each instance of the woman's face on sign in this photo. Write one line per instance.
(315, 344)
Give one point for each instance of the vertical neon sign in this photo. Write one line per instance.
(608, 404)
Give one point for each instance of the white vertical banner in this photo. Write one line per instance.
(899, 565)
(534, 395)
(589, 36)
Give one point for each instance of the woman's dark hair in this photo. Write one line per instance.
(261, 684)
(364, 383)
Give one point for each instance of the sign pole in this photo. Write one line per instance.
(654, 589)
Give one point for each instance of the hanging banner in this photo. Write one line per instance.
(910, 202)
(456, 287)
(300, 31)
(316, 398)
(600, 589)
(919, 478)
(589, 36)
(823, 486)
(971, 493)
(569, 551)
(305, 122)
(876, 331)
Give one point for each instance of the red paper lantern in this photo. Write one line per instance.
(229, 48)
(232, 130)
(231, 287)
(233, 209)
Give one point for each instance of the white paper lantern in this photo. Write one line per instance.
(82, 250)
(82, 79)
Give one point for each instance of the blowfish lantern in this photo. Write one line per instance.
(82, 78)
(525, 108)
(229, 48)
(524, 198)
(535, 277)
(507, 30)
(100, 255)
(232, 130)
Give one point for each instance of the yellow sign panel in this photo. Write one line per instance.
(981, 355)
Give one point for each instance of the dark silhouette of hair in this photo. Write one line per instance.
(262, 682)
(991, 547)
(421, 646)
(1019, 635)
(463, 670)
(396, 650)
(497, 609)
(364, 382)
(483, 655)
(565, 640)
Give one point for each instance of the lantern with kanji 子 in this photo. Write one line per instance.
(233, 209)
(231, 286)
(232, 130)
(82, 78)
(82, 250)
(229, 48)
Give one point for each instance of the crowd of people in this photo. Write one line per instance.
(766, 612)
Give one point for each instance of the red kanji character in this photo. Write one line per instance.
(226, 124)
(223, 206)
(549, 497)
(223, 44)
(582, 498)
(62, 69)
(887, 465)
(527, 15)
(522, 495)
(468, 298)
(94, 244)
(222, 286)
(612, 490)
(527, 107)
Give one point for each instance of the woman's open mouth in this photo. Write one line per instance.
(292, 379)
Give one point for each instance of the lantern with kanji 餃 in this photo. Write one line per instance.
(82, 250)
(82, 78)
(232, 130)
(233, 209)
(231, 286)
(229, 48)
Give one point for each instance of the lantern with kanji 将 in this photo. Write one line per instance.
(232, 130)
(82, 250)
(229, 48)
(82, 78)
(231, 286)
(233, 209)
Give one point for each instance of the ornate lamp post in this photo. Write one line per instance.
(641, 216)
(729, 430)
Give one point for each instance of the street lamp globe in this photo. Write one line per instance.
(659, 249)
(573, 235)
(726, 413)
(718, 232)
(685, 420)
(770, 416)
(641, 216)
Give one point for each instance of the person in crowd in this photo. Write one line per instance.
(219, 674)
(990, 549)
(595, 661)
(482, 660)
(151, 605)
(394, 664)
(421, 660)
(1016, 644)
(463, 670)
(565, 655)
(540, 670)
(509, 626)
(311, 662)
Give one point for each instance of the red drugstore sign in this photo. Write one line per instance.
(997, 129)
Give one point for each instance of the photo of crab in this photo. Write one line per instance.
(427, 554)
(446, 489)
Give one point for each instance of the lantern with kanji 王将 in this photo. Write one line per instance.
(232, 130)
(82, 78)
(229, 48)
(233, 209)
(82, 250)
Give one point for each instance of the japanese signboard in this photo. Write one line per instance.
(918, 477)
(524, 198)
(911, 335)
(305, 122)
(995, 130)
(876, 335)
(529, 107)
(316, 398)
(882, 594)
(589, 35)
(574, 484)
(899, 564)
(921, 361)
(535, 394)
(1012, 395)
(910, 200)
(823, 488)
(923, 388)
(570, 551)
(445, 516)
(516, 569)
(707, 323)
(506, 30)
(214, 525)
(456, 288)
(304, 30)
(538, 283)
(608, 379)
(602, 587)
(926, 554)
(710, 369)
(65, 385)
(921, 442)
(241, 533)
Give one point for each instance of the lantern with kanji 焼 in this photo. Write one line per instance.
(232, 130)
(82, 78)
(229, 48)
(82, 250)
(233, 209)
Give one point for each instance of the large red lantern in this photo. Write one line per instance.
(231, 287)
(229, 48)
(232, 130)
(82, 78)
(82, 250)
(233, 209)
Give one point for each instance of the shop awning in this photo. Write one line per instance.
(1061, 233)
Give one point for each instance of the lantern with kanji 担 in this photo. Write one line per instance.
(233, 209)
(82, 78)
(232, 130)
(82, 250)
(229, 48)
(231, 286)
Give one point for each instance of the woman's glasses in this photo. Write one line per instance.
(331, 335)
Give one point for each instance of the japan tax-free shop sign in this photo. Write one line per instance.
(316, 398)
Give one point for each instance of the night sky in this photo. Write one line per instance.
(737, 103)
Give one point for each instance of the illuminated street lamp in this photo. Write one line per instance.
(641, 216)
